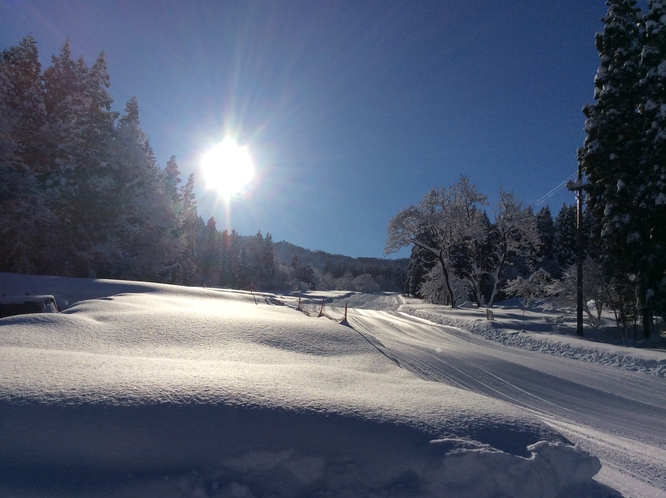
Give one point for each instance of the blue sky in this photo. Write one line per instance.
(352, 110)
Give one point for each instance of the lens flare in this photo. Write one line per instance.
(227, 168)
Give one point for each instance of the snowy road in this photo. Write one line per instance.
(618, 415)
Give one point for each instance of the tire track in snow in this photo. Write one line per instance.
(544, 387)
(458, 372)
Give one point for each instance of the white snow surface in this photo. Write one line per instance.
(141, 390)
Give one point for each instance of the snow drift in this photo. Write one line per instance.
(154, 390)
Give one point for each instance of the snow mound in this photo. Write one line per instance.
(151, 390)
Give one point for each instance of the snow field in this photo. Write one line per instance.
(194, 392)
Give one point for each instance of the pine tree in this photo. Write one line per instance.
(545, 257)
(171, 181)
(650, 198)
(269, 259)
(183, 203)
(143, 241)
(624, 150)
(611, 154)
(80, 133)
(24, 100)
(192, 227)
(421, 261)
(565, 243)
(25, 216)
(210, 263)
(238, 261)
(79, 195)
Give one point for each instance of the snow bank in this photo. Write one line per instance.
(650, 362)
(152, 390)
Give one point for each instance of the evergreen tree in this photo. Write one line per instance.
(171, 181)
(545, 257)
(269, 259)
(623, 154)
(182, 200)
(238, 260)
(25, 216)
(210, 263)
(143, 239)
(649, 202)
(421, 261)
(565, 244)
(24, 100)
(79, 134)
(254, 248)
(79, 195)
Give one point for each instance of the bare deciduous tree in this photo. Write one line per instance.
(515, 233)
(442, 223)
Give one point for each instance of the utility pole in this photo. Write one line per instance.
(578, 188)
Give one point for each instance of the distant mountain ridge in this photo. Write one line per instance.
(285, 251)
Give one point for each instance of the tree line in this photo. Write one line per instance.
(459, 253)
(81, 193)
(80, 190)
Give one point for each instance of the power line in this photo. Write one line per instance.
(555, 190)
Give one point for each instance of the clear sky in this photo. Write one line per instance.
(352, 110)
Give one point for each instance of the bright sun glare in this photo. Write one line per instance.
(227, 168)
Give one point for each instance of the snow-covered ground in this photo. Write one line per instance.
(154, 390)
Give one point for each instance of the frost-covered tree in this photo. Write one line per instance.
(171, 181)
(141, 233)
(536, 287)
(80, 191)
(623, 154)
(649, 200)
(514, 233)
(79, 135)
(190, 229)
(26, 218)
(268, 260)
(435, 291)
(479, 253)
(439, 224)
(210, 258)
(598, 289)
(365, 283)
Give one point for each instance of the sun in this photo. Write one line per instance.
(227, 168)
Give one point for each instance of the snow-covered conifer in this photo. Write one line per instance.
(623, 154)
(649, 200)
(546, 254)
(26, 218)
(565, 242)
(143, 221)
